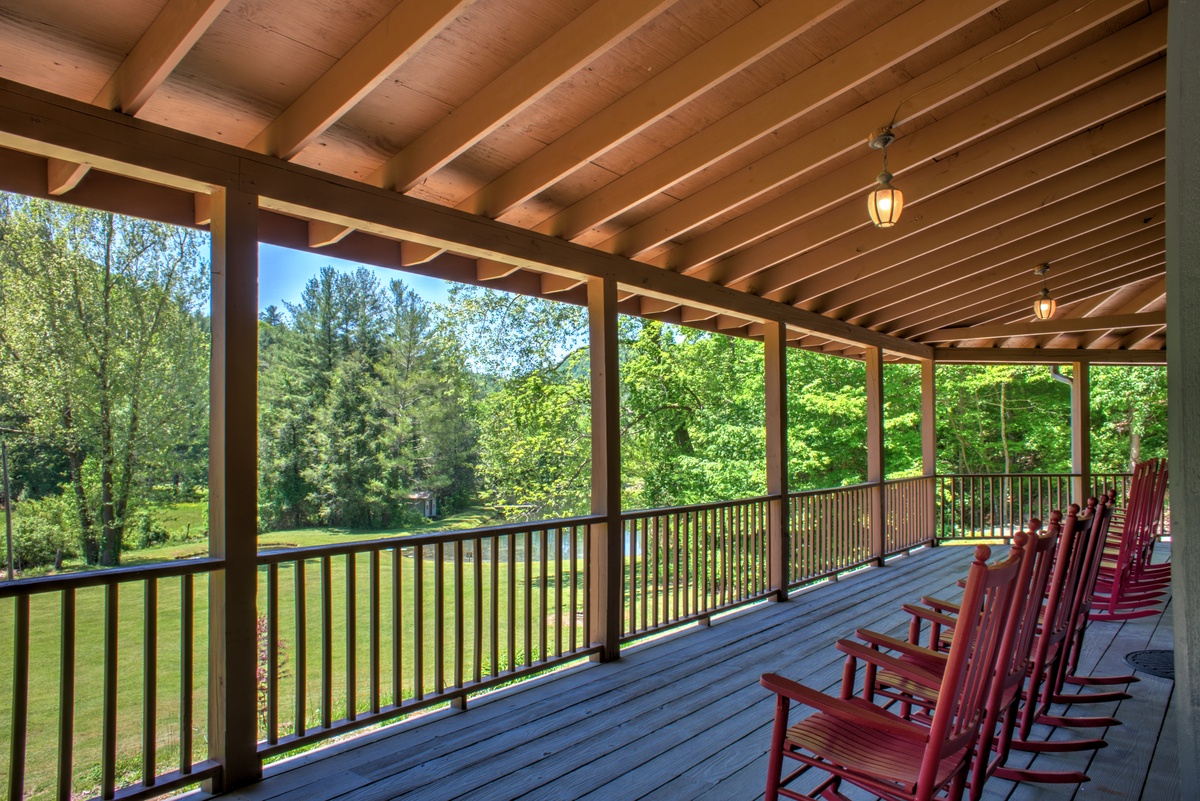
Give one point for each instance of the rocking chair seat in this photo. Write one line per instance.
(852, 749)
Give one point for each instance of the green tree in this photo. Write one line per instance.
(106, 351)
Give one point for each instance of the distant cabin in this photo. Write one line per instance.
(423, 502)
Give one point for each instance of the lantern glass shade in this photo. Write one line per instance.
(1044, 306)
(884, 205)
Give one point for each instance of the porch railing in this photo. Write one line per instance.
(96, 645)
(357, 634)
(439, 616)
(684, 563)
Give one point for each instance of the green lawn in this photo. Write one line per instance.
(45, 628)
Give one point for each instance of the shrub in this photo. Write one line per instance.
(41, 529)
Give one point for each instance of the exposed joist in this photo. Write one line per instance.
(1033, 329)
(1019, 44)
(954, 282)
(657, 305)
(412, 253)
(753, 37)
(394, 39)
(490, 270)
(1138, 303)
(969, 171)
(152, 59)
(322, 234)
(553, 284)
(991, 229)
(895, 40)
(1045, 356)
(1070, 168)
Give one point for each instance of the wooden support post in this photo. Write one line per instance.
(1183, 371)
(232, 491)
(1081, 433)
(874, 360)
(605, 558)
(778, 539)
(929, 445)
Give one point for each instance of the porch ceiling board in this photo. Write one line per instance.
(708, 154)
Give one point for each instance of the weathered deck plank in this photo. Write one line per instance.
(683, 717)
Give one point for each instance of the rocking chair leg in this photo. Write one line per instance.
(1057, 746)
(1042, 776)
(1077, 723)
(775, 762)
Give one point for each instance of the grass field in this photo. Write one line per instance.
(45, 625)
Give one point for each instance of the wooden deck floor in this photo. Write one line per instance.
(684, 717)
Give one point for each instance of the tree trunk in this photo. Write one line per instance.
(1135, 443)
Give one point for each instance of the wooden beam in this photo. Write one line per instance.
(232, 491)
(321, 233)
(863, 59)
(818, 278)
(394, 39)
(588, 36)
(413, 253)
(152, 59)
(1046, 356)
(38, 122)
(1002, 53)
(552, 283)
(490, 270)
(978, 277)
(1014, 221)
(753, 37)
(605, 555)
(657, 305)
(775, 381)
(1040, 327)
(693, 315)
(1119, 106)
(1136, 337)
(203, 208)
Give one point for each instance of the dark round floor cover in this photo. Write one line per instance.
(1156, 663)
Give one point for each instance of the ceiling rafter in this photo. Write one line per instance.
(149, 63)
(1013, 300)
(397, 37)
(1038, 327)
(804, 157)
(753, 37)
(860, 61)
(976, 275)
(1073, 118)
(810, 281)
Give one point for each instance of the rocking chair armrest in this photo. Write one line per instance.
(936, 659)
(923, 676)
(844, 710)
(938, 605)
(933, 617)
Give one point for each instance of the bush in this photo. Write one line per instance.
(142, 530)
(41, 529)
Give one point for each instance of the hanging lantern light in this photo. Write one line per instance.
(886, 201)
(1044, 306)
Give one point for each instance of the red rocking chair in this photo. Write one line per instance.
(872, 748)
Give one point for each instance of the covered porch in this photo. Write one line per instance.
(683, 715)
(1040, 132)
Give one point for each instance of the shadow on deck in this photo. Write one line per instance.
(683, 716)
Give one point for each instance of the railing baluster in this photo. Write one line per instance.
(351, 636)
(300, 654)
(326, 642)
(373, 625)
(512, 602)
(460, 615)
(573, 572)
(477, 569)
(528, 612)
(397, 626)
(150, 682)
(543, 605)
(272, 653)
(418, 622)
(108, 756)
(66, 696)
(186, 670)
(558, 593)
(19, 722)
(439, 617)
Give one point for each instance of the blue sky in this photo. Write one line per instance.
(282, 274)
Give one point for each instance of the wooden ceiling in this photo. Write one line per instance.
(722, 140)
